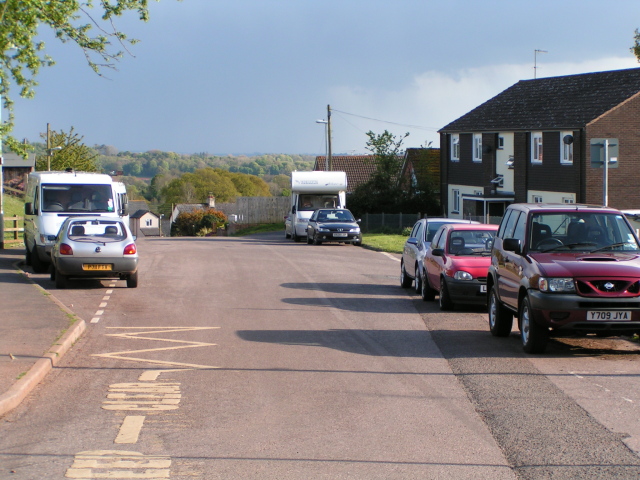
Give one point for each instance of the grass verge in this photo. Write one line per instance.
(384, 242)
(267, 227)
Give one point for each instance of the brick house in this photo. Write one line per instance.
(531, 143)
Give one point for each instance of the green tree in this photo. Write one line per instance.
(381, 193)
(636, 46)
(22, 53)
(72, 154)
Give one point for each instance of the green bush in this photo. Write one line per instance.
(198, 223)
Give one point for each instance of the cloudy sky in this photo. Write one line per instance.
(253, 76)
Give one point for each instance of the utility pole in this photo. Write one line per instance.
(329, 156)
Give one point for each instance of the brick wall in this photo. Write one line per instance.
(623, 123)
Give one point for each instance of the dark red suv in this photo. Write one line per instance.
(564, 268)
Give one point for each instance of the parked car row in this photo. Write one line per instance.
(94, 247)
(329, 225)
(560, 269)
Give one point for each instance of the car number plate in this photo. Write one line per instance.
(605, 315)
(483, 289)
(339, 234)
(96, 266)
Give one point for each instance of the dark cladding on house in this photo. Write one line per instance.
(530, 143)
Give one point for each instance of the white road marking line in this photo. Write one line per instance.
(105, 298)
(109, 292)
(99, 313)
(130, 429)
(152, 375)
(95, 319)
(386, 254)
(627, 400)
(102, 305)
(118, 464)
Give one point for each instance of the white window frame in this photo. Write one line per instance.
(477, 147)
(566, 151)
(455, 147)
(455, 200)
(536, 198)
(536, 147)
(568, 200)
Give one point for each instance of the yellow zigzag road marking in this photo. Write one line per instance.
(152, 330)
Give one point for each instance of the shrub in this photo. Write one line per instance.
(192, 224)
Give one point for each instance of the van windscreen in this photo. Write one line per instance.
(77, 198)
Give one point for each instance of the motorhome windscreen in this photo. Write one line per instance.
(313, 202)
(77, 198)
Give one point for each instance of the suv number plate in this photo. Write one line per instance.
(609, 316)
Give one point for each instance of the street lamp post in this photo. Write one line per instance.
(326, 144)
(327, 122)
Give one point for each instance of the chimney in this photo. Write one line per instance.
(212, 201)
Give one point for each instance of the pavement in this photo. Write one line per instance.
(36, 330)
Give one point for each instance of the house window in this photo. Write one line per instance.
(536, 147)
(500, 143)
(477, 147)
(455, 147)
(148, 222)
(566, 148)
(455, 194)
(568, 200)
(536, 198)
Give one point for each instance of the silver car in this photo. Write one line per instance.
(415, 247)
(94, 247)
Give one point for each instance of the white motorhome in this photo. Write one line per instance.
(310, 191)
(51, 197)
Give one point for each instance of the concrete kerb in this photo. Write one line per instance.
(22, 387)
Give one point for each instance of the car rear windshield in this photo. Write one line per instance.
(585, 231)
(102, 231)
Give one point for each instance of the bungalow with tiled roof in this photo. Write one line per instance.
(358, 168)
(531, 143)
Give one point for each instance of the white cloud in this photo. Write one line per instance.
(433, 99)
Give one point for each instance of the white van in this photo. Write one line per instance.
(51, 197)
(310, 191)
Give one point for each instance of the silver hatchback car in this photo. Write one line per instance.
(94, 247)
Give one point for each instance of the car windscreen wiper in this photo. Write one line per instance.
(607, 247)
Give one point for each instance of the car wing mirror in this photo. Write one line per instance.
(412, 241)
(437, 252)
(512, 245)
(28, 208)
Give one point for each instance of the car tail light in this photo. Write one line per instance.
(130, 249)
(65, 249)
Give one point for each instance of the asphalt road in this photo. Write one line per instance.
(258, 357)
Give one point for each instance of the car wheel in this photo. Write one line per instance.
(38, 265)
(61, 281)
(52, 272)
(418, 281)
(309, 239)
(534, 337)
(132, 280)
(445, 299)
(358, 242)
(500, 319)
(405, 280)
(316, 241)
(427, 293)
(27, 256)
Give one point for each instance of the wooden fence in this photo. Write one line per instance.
(256, 210)
(13, 234)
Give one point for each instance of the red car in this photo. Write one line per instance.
(456, 264)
